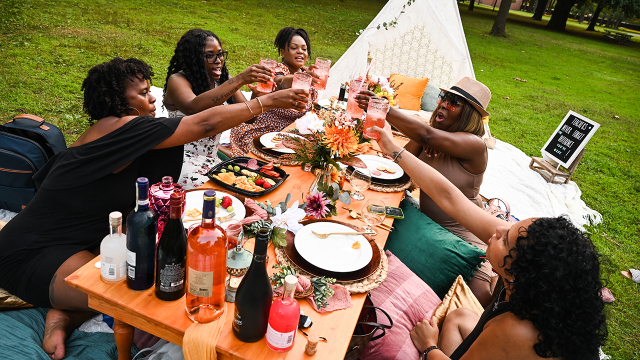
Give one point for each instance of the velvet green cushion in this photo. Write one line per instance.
(429, 97)
(222, 156)
(434, 253)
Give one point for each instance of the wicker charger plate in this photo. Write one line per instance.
(279, 158)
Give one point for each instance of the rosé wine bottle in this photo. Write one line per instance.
(283, 318)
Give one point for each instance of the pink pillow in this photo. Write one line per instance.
(408, 300)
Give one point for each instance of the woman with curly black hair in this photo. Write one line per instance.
(551, 305)
(294, 47)
(198, 79)
(60, 230)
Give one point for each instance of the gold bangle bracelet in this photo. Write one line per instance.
(248, 107)
(260, 102)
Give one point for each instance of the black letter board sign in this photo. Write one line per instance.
(570, 138)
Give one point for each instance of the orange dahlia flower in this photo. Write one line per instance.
(340, 141)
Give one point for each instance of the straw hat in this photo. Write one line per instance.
(474, 91)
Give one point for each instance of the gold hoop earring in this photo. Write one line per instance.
(131, 107)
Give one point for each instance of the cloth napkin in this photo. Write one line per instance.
(341, 299)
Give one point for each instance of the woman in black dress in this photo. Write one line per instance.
(62, 227)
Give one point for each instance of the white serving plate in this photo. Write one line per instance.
(194, 201)
(335, 252)
(373, 162)
(266, 141)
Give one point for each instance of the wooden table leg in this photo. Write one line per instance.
(123, 333)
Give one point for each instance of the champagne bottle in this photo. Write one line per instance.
(206, 265)
(254, 294)
(283, 318)
(171, 256)
(141, 240)
(113, 251)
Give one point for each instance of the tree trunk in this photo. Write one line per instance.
(560, 15)
(471, 3)
(542, 6)
(501, 19)
(594, 18)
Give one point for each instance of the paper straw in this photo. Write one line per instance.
(365, 76)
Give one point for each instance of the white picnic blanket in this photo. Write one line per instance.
(509, 177)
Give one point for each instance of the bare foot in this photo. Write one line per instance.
(55, 333)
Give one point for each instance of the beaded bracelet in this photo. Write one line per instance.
(427, 350)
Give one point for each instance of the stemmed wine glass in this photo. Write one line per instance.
(360, 181)
(373, 212)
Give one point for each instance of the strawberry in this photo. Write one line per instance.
(259, 182)
(226, 202)
(266, 185)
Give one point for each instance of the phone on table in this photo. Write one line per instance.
(394, 212)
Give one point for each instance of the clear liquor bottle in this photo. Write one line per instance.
(206, 265)
(113, 251)
(283, 318)
(171, 255)
(141, 240)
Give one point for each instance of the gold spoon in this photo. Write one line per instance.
(324, 236)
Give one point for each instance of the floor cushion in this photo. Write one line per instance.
(459, 296)
(408, 300)
(432, 252)
(408, 90)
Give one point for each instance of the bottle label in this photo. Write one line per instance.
(131, 272)
(144, 202)
(237, 321)
(108, 271)
(172, 278)
(131, 258)
(200, 283)
(260, 258)
(278, 339)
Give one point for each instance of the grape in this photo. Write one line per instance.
(230, 209)
(230, 167)
(236, 168)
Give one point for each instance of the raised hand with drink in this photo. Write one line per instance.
(267, 87)
(353, 108)
(322, 70)
(376, 114)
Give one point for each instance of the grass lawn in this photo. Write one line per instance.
(47, 47)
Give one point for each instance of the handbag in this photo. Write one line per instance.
(366, 329)
(500, 208)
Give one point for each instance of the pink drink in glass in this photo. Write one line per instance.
(301, 81)
(353, 111)
(267, 87)
(323, 71)
(376, 115)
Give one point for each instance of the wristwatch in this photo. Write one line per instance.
(426, 351)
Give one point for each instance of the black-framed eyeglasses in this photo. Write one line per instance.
(452, 100)
(211, 58)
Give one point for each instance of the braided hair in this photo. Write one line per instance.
(106, 84)
(286, 34)
(188, 58)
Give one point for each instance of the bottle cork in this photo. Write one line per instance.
(312, 344)
(115, 218)
(290, 283)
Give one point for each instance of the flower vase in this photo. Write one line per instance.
(323, 176)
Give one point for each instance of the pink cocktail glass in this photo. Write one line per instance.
(376, 115)
(301, 81)
(356, 85)
(267, 87)
(324, 65)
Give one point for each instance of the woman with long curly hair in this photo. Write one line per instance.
(60, 230)
(550, 305)
(198, 79)
(452, 144)
(294, 47)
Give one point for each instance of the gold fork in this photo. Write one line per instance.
(324, 236)
(220, 218)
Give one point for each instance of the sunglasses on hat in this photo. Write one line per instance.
(449, 100)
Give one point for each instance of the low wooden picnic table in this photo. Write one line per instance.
(168, 320)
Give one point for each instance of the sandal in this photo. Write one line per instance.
(632, 274)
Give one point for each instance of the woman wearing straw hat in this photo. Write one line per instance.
(452, 144)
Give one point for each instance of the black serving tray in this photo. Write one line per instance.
(236, 161)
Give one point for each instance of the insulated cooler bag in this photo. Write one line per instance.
(26, 143)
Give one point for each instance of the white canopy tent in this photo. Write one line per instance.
(428, 41)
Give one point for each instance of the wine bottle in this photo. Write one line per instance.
(171, 255)
(141, 240)
(159, 198)
(206, 265)
(254, 294)
(113, 251)
(283, 318)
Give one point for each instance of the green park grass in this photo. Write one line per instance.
(47, 47)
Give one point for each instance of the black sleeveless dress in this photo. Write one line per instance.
(498, 307)
(77, 191)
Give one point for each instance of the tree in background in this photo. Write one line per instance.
(560, 15)
(500, 23)
(541, 7)
(471, 3)
(629, 8)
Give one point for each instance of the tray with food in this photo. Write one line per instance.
(247, 176)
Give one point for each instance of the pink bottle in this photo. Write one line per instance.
(283, 318)
(159, 197)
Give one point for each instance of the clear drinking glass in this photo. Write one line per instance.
(360, 181)
(267, 87)
(373, 212)
(301, 81)
(376, 115)
(355, 85)
(323, 65)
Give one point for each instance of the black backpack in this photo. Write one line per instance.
(26, 143)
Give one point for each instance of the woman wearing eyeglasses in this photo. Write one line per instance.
(294, 47)
(198, 79)
(452, 144)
